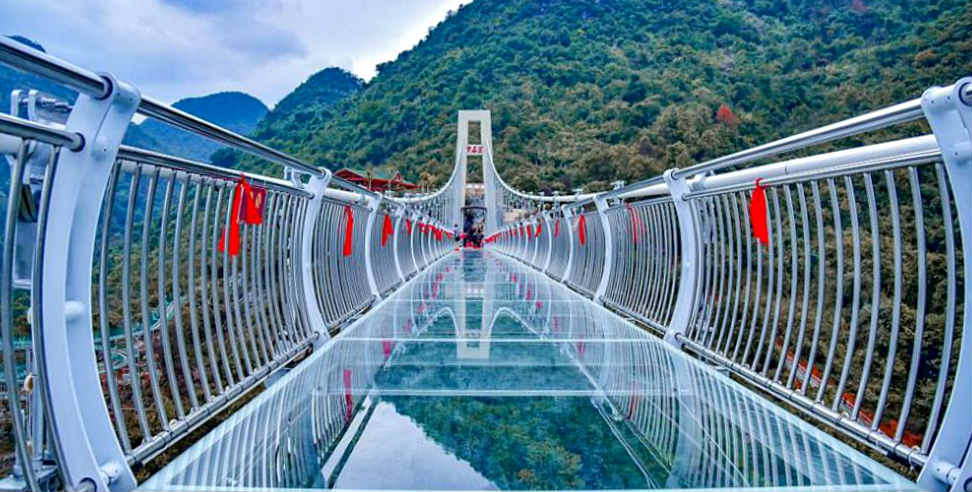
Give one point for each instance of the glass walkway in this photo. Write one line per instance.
(143, 296)
(482, 373)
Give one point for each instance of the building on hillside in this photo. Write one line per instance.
(375, 183)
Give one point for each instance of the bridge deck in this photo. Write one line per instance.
(484, 374)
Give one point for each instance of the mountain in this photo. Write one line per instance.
(591, 91)
(234, 111)
(295, 119)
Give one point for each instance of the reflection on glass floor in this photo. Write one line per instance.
(484, 374)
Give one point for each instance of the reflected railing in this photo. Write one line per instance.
(836, 282)
(681, 424)
(148, 280)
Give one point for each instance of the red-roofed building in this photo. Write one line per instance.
(396, 183)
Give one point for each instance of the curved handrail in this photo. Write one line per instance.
(793, 308)
(246, 294)
(30, 60)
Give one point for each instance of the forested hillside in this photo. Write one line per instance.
(585, 91)
(295, 120)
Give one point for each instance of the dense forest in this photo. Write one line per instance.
(588, 92)
(310, 105)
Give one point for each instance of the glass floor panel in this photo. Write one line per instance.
(481, 374)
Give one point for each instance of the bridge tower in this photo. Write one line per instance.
(484, 148)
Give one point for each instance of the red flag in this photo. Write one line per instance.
(757, 214)
(557, 227)
(633, 404)
(387, 229)
(253, 199)
(348, 400)
(582, 229)
(348, 229)
(233, 235)
(539, 228)
(408, 226)
(635, 222)
(529, 230)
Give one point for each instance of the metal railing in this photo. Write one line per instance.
(284, 438)
(143, 278)
(854, 307)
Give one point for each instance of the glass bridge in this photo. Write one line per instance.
(748, 322)
(484, 374)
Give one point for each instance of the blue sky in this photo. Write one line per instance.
(179, 48)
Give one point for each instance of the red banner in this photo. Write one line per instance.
(254, 199)
(348, 230)
(582, 229)
(387, 229)
(247, 206)
(635, 222)
(757, 214)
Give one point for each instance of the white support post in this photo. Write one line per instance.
(314, 316)
(411, 241)
(536, 241)
(399, 216)
(546, 225)
(570, 244)
(688, 279)
(84, 439)
(949, 113)
(602, 206)
(374, 204)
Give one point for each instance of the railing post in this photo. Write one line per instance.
(570, 244)
(374, 204)
(314, 316)
(87, 448)
(949, 113)
(688, 237)
(602, 206)
(399, 216)
(549, 234)
(411, 239)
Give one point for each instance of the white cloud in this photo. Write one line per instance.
(172, 49)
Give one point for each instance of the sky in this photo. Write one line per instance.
(172, 49)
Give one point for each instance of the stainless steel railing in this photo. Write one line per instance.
(340, 287)
(98, 86)
(807, 313)
(288, 435)
(171, 306)
(645, 266)
(587, 264)
(159, 257)
(855, 310)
